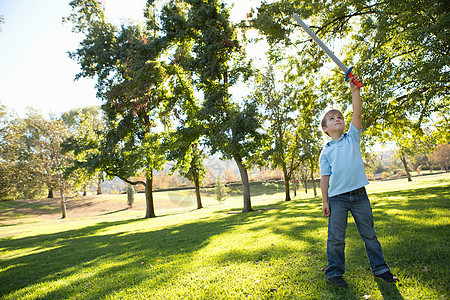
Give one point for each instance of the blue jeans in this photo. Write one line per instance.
(358, 204)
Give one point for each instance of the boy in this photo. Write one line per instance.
(342, 184)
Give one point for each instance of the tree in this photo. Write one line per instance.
(302, 174)
(310, 137)
(17, 161)
(182, 145)
(400, 49)
(139, 90)
(217, 61)
(409, 142)
(85, 126)
(282, 147)
(189, 163)
(405, 146)
(397, 70)
(31, 157)
(229, 176)
(426, 145)
(43, 151)
(210, 177)
(395, 164)
(373, 164)
(12, 172)
(441, 134)
(196, 171)
(43, 154)
(442, 156)
(413, 76)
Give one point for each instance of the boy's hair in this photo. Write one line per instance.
(324, 119)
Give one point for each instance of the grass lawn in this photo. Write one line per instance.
(276, 252)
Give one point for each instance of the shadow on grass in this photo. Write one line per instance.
(347, 293)
(389, 291)
(20, 208)
(70, 262)
(131, 256)
(410, 242)
(115, 211)
(63, 253)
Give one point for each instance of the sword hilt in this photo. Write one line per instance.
(349, 75)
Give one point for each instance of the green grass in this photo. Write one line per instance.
(276, 252)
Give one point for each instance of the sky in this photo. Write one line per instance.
(35, 70)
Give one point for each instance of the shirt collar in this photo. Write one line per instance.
(333, 141)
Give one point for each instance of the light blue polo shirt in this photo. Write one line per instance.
(342, 160)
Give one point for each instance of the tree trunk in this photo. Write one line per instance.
(85, 190)
(305, 183)
(286, 185)
(99, 186)
(63, 208)
(197, 193)
(245, 184)
(150, 209)
(63, 203)
(405, 165)
(50, 193)
(294, 186)
(313, 184)
(312, 179)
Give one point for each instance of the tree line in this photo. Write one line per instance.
(168, 89)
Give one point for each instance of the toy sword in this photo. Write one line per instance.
(347, 71)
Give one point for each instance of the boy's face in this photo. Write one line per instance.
(335, 124)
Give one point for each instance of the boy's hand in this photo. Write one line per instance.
(354, 87)
(326, 209)
(356, 104)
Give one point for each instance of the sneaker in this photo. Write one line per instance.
(387, 277)
(338, 281)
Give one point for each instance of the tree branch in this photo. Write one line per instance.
(128, 181)
(360, 13)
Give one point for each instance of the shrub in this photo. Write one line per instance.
(220, 191)
(385, 175)
(130, 195)
(401, 173)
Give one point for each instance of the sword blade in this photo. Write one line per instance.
(319, 42)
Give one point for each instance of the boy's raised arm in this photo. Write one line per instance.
(356, 104)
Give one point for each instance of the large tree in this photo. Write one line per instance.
(138, 87)
(217, 61)
(42, 154)
(292, 112)
(281, 148)
(310, 136)
(182, 145)
(401, 50)
(31, 157)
